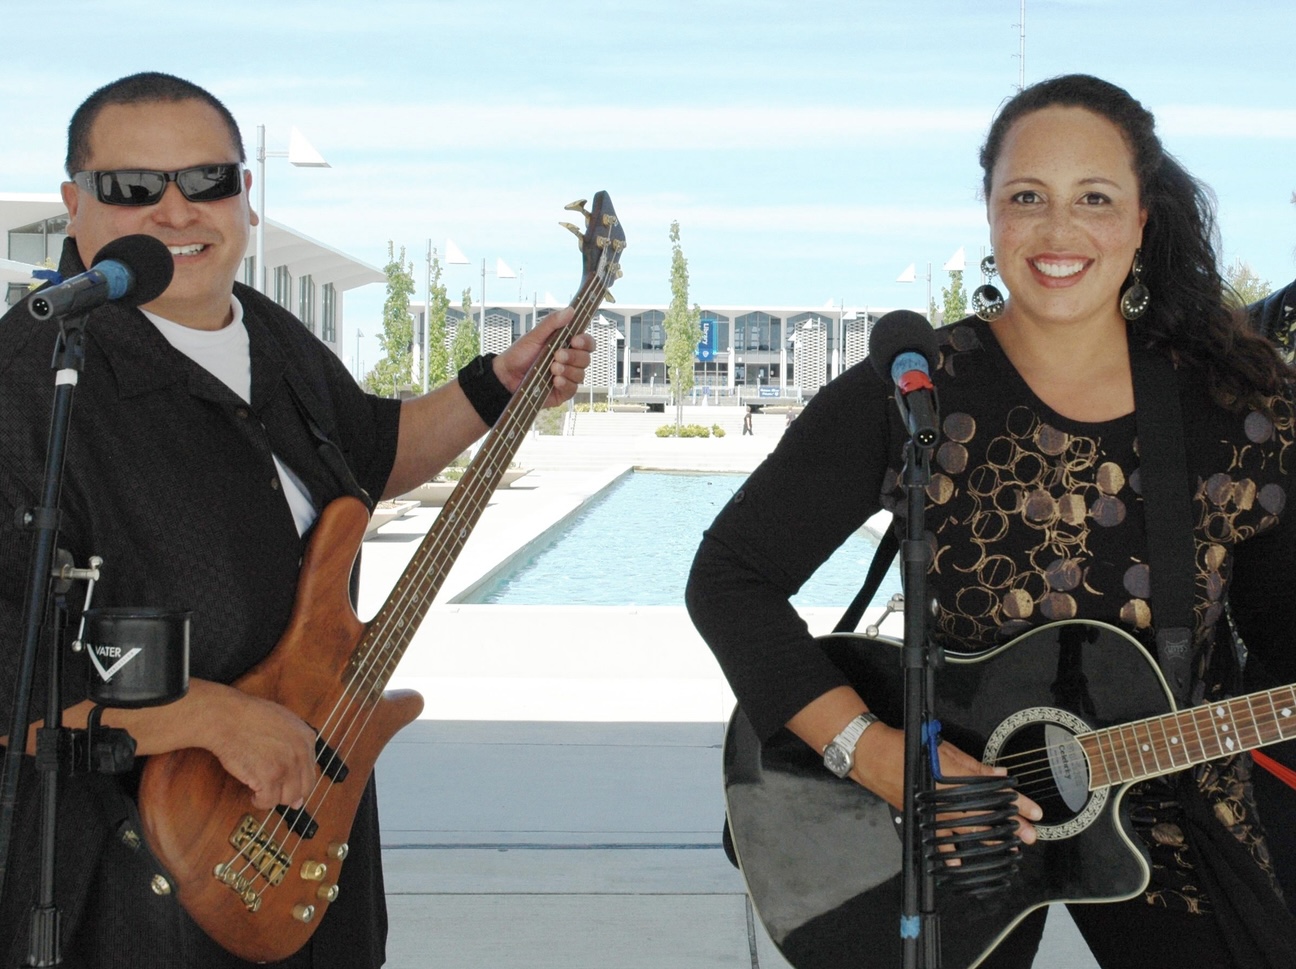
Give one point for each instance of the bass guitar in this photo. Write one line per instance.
(1077, 711)
(258, 882)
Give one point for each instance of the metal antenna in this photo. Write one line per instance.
(1021, 47)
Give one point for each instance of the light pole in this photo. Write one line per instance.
(910, 276)
(954, 263)
(502, 271)
(299, 153)
(357, 357)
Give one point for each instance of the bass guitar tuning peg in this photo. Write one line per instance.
(580, 236)
(579, 206)
(608, 297)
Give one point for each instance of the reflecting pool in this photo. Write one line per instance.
(634, 543)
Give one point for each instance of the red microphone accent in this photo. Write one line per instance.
(912, 380)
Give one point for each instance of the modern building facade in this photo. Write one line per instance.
(748, 351)
(307, 277)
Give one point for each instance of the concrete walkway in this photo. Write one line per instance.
(560, 803)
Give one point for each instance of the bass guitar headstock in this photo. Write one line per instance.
(600, 244)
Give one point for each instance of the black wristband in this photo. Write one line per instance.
(484, 390)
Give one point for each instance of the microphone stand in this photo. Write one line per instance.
(53, 744)
(919, 921)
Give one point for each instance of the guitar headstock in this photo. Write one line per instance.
(600, 243)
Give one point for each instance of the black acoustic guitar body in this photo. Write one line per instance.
(822, 856)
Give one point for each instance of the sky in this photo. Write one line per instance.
(809, 150)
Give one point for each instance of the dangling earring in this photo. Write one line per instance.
(1136, 299)
(987, 301)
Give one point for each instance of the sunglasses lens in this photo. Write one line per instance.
(209, 183)
(130, 188)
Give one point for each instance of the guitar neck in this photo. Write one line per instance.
(392, 629)
(1160, 745)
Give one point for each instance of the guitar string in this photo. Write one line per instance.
(1267, 729)
(352, 698)
(588, 300)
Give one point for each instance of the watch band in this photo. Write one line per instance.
(839, 756)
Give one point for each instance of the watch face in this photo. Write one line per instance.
(837, 760)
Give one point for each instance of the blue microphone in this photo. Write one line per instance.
(133, 269)
(903, 350)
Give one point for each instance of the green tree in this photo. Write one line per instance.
(466, 344)
(438, 355)
(393, 371)
(683, 328)
(955, 298)
(1243, 286)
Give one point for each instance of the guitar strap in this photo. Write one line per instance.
(882, 559)
(1167, 507)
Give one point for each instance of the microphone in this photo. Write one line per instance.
(134, 269)
(903, 350)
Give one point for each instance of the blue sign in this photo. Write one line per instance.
(768, 392)
(706, 346)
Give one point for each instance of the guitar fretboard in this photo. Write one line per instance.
(1161, 745)
(392, 629)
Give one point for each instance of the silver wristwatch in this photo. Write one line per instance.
(839, 756)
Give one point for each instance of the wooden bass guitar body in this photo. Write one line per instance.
(252, 879)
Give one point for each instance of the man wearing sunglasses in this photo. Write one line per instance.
(209, 429)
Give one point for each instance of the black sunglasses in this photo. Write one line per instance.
(206, 183)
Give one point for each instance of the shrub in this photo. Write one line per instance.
(686, 430)
(550, 420)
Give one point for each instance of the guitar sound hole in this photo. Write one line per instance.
(1038, 746)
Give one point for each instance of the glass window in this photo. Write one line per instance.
(328, 313)
(306, 302)
(647, 331)
(40, 243)
(283, 287)
(756, 331)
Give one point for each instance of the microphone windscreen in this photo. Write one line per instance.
(898, 332)
(148, 259)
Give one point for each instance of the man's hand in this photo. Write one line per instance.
(569, 364)
(267, 747)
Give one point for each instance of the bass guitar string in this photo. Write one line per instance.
(346, 707)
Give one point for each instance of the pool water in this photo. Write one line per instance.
(634, 543)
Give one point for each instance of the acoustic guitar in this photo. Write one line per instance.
(1077, 711)
(258, 882)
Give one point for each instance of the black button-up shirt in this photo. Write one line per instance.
(170, 479)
